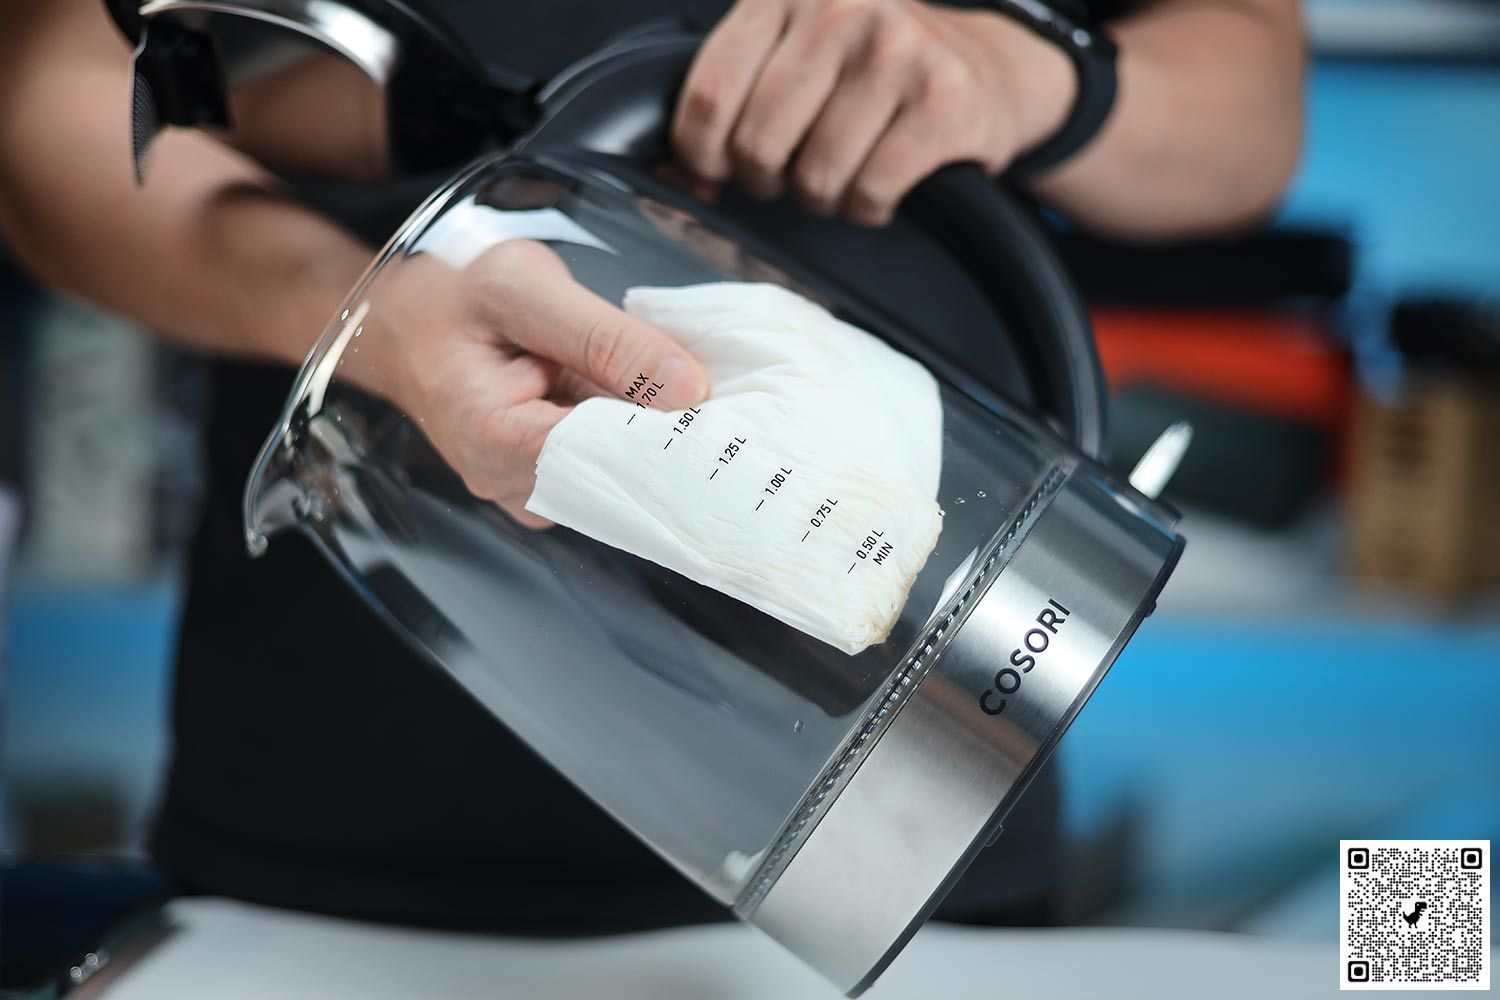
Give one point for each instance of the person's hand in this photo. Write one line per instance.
(487, 360)
(852, 102)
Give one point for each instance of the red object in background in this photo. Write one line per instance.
(1282, 364)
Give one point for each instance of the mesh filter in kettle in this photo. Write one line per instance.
(819, 702)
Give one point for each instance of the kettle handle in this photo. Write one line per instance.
(619, 101)
(1008, 255)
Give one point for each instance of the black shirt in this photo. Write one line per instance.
(319, 764)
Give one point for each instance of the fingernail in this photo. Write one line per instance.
(683, 383)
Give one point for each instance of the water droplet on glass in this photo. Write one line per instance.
(958, 499)
(797, 726)
(981, 494)
(359, 330)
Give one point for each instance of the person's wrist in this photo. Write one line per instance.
(1038, 82)
(379, 361)
(410, 316)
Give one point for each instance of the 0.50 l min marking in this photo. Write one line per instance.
(873, 549)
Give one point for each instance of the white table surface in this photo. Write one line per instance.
(233, 951)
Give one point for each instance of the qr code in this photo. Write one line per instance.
(1414, 914)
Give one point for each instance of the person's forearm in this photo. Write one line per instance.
(206, 252)
(1206, 128)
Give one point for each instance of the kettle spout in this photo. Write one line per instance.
(274, 499)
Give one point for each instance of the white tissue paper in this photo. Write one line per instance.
(805, 485)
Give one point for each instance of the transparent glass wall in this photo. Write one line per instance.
(697, 720)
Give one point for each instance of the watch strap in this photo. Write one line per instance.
(1092, 53)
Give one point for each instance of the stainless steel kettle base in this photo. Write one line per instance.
(928, 788)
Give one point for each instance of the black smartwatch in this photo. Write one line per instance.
(1092, 52)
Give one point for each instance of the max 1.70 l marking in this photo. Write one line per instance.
(1024, 657)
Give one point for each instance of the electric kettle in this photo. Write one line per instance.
(810, 639)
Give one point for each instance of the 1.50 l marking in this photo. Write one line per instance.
(1024, 657)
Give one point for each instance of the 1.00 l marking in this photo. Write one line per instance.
(777, 482)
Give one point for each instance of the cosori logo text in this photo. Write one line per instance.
(1024, 657)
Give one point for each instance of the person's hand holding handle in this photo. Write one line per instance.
(850, 103)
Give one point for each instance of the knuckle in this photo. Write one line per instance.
(946, 85)
(896, 45)
(504, 271)
(505, 433)
(530, 374)
(755, 13)
(754, 150)
(817, 183)
(479, 486)
(872, 197)
(703, 101)
(838, 14)
(504, 261)
(606, 350)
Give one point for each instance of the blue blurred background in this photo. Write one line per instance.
(1273, 705)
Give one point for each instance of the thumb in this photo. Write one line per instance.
(546, 312)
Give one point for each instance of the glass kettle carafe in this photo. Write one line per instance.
(829, 797)
(822, 744)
